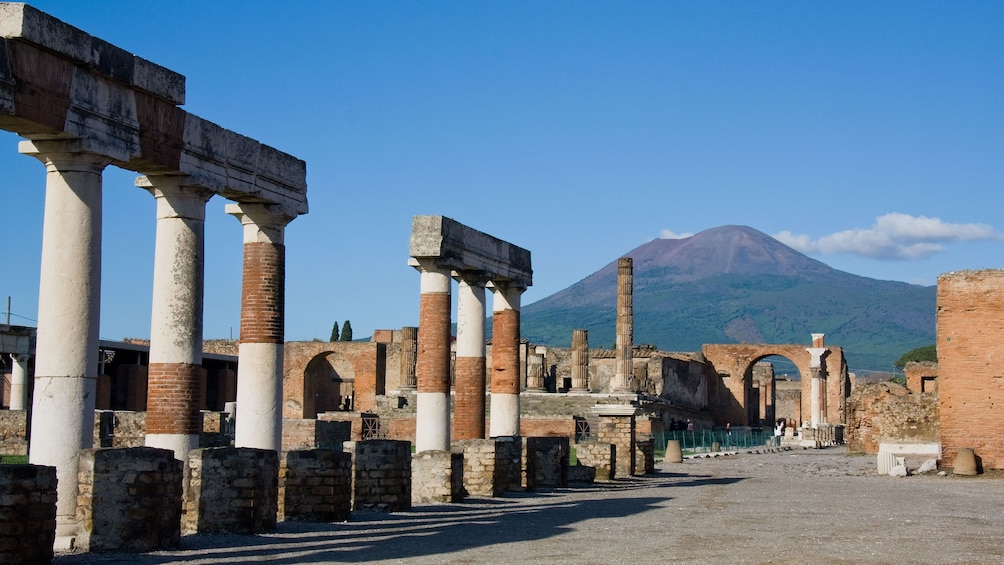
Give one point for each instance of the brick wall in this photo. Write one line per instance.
(921, 376)
(381, 475)
(27, 513)
(970, 333)
(620, 431)
(889, 413)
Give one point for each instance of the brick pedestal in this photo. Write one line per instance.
(617, 426)
(381, 474)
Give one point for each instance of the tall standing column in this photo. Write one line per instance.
(535, 372)
(260, 354)
(174, 390)
(815, 390)
(69, 305)
(18, 381)
(625, 326)
(469, 381)
(505, 360)
(432, 370)
(580, 360)
(409, 346)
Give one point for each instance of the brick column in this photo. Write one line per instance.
(505, 360)
(18, 381)
(432, 370)
(622, 381)
(174, 390)
(580, 360)
(69, 303)
(260, 354)
(469, 406)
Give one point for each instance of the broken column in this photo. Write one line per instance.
(259, 372)
(174, 390)
(535, 372)
(432, 370)
(623, 381)
(505, 360)
(580, 360)
(469, 406)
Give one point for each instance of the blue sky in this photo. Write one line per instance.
(868, 135)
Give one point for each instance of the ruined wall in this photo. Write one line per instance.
(27, 513)
(318, 376)
(921, 376)
(315, 486)
(788, 402)
(13, 440)
(970, 333)
(889, 413)
(684, 382)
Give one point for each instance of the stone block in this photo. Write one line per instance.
(27, 513)
(381, 474)
(315, 486)
(214, 503)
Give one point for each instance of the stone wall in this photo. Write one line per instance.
(788, 402)
(644, 457)
(231, 490)
(889, 413)
(437, 477)
(619, 429)
(381, 474)
(12, 432)
(601, 456)
(549, 456)
(546, 426)
(970, 332)
(129, 500)
(491, 466)
(315, 434)
(27, 513)
(315, 485)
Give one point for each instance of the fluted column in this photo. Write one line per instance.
(535, 372)
(69, 305)
(174, 390)
(580, 360)
(505, 360)
(622, 381)
(432, 367)
(260, 354)
(409, 346)
(469, 381)
(18, 381)
(815, 390)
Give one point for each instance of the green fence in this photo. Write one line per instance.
(702, 441)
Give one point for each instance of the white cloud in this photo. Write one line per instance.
(892, 236)
(667, 234)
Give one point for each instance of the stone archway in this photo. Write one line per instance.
(328, 384)
(733, 364)
(318, 376)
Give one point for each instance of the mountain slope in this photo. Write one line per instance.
(734, 284)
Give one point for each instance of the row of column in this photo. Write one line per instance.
(432, 426)
(69, 306)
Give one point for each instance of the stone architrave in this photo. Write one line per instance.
(409, 346)
(259, 372)
(174, 385)
(623, 378)
(580, 360)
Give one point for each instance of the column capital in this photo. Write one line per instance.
(471, 277)
(65, 155)
(506, 294)
(20, 357)
(817, 354)
(263, 223)
(175, 198)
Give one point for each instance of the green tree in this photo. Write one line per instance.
(334, 332)
(347, 331)
(926, 353)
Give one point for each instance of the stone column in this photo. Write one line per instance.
(69, 304)
(174, 389)
(409, 346)
(18, 381)
(469, 406)
(622, 381)
(535, 372)
(580, 360)
(815, 390)
(432, 366)
(260, 354)
(505, 360)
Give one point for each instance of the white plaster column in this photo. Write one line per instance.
(69, 305)
(815, 390)
(432, 366)
(173, 420)
(18, 381)
(504, 419)
(469, 406)
(260, 354)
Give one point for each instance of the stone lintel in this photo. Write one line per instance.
(615, 410)
(454, 246)
(21, 22)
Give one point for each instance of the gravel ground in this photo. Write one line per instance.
(800, 506)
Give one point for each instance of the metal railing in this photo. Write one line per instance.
(704, 441)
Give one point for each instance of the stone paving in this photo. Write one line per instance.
(798, 506)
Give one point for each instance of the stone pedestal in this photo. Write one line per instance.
(381, 474)
(600, 456)
(617, 426)
(437, 477)
(27, 513)
(231, 490)
(315, 485)
(492, 466)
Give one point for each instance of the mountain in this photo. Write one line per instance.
(734, 284)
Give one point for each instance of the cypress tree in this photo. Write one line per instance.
(334, 332)
(347, 331)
